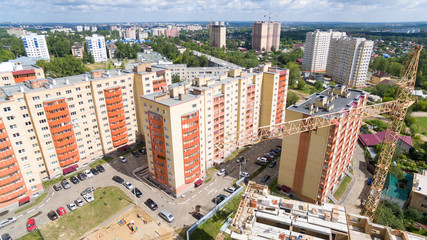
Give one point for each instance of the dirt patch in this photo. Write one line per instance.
(302, 96)
(146, 228)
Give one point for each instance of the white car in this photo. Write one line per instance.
(262, 159)
(221, 172)
(88, 198)
(88, 174)
(230, 189)
(244, 174)
(79, 202)
(123, 159)
(7, 221)
(128, 185)
(72, 206)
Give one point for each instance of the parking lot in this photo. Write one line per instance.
(134, 171)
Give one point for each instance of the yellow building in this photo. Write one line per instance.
(418, 196)
(379, 77)
(312, 162)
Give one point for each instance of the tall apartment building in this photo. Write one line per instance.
(312, 162)
(349, 60)
(86, 28)
(130, 33)
(316, 50)
(265, 35)
(35, 46)
(184, 124)
(79, 28)
(11, 73)
(17, 32)
(48, 126)
(94, 29)
(96, 46)
(218, 35)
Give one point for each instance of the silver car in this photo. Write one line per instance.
(7, 221)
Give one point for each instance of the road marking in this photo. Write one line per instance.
(53, 193)
(41, 205)
(48, 199)
(31, 210)
(20, 215)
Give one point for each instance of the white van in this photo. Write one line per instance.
(167, 216)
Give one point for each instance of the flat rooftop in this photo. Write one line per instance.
(338, 102)
(420, 183)
(217, 61)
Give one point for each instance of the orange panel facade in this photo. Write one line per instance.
(191, 146)
(12, 183)
(158, 148)
(280, 106)
(116, 116)
(218, 124)
(61, 129)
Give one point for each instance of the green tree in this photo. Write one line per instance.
(395, 69)
(6, 55)
(294, 73)
(397, 172)
(176, 78)
(62, 66)
(301, 84)
(58, 46)
(318, 85)
(291, 99)
(389, 214)
(380, 64)
(203, 61)
(123, 66)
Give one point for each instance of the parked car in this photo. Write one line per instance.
(230, 189)
(6, 236)
(260, 163)
(166, 216)
(72, 206)
(143, 151)
(128, 185)
(240, 159)
(52, 215)
(57, 187)
(135, 154)
(151, 204)
(267, 157)
(197, 215)
(221, 172)
(88, 174)
(265, 178)
(272, 164)
(79, 202)
(100, 168)
(137, 192)
(61, 211)
(244, 174)
(118, 179)
(88, 198)
(31, 225)
(262, 159)
(81, 176)
(277, 150)
(218, 199)
(65, 184)
(270, 155)
(123, 159)
(7, 221)
(94, 171)
(74, 180)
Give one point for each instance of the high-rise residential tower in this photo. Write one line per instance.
(265, 35)
(312, 162)
(317, 49)
(35, 46)
(218, 35)
(96, 46)
(349, 60)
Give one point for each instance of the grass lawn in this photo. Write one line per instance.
(73, 225)
(49, 183)
(101, 161)
(38, 200)
(34, 235)
(343, 186)
(422, 121)
(211, 228)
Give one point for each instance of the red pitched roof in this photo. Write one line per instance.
(380, 74)
(20, 72)
(374, 139)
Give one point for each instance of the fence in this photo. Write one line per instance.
(215, 209)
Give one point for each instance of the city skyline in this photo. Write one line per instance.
(76, 11)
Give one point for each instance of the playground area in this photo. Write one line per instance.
(133, 224)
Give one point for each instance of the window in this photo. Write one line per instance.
(36, 98)
(13, 126)
(22, 108)
(10, 118)
(38, 106)
(7, 109)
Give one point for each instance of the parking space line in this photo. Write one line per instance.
(48, 199)
(41, 205)
(20, 215)
(31, 210)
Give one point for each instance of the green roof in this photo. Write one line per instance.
(393, 187)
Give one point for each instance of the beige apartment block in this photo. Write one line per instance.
(11, 74)
(316, 50)
(348, 60)
(218, 35)
(48, 126)
(265, 35)
(185, 124)
(418, 196)
(312, 163)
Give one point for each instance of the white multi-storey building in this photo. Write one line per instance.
(79, 28)
(349, 60)
(35, 46)
(96, 46)
(317, 49)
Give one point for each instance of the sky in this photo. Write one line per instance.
(99, 11)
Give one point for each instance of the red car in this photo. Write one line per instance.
(61, 211)
(31, 224)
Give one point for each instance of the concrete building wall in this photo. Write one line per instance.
(218, 35)
(96, 46)
(265, 35)
(35, 46)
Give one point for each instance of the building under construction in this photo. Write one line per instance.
(264, 216)
(218, 34)
(313, 162)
